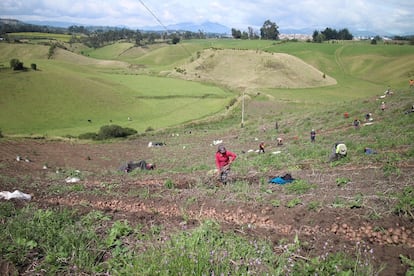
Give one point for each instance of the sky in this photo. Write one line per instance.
(382, 16)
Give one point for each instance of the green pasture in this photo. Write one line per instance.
(112, 51)
(60, 98)
(70, 89)
(39, 36)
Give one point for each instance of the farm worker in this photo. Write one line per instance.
(261, 147)
(357, 123)
(346, 115)
(339, 151)
(411, 83)
(410, 110)
(383, 106)
(313, 135)
(279, 141)
(224, 158)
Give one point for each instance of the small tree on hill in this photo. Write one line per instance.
(16, 64)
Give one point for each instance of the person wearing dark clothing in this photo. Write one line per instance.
(262, 147)
(410, 110)
(312, 135)
(357, 123)
(224, 158)
(368, 117)
(142, 164)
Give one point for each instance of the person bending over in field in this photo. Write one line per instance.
(224, 158)
(262, 147)
(339, 151)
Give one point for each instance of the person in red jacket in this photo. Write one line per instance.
(223, 160)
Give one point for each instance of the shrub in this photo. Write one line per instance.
(1, 134)
(88, 135)
(16, 64)
(114, 131)
(149, 129)
(33, 66)
(51, 51)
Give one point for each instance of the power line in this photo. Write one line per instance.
(153, 14)
(159, 21)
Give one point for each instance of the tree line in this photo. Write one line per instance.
(96, 37)
(331, 34)
(100, 36)
(269, 31)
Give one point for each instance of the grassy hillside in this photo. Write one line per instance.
(119, 81)
(69, 90)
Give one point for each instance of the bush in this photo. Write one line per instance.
(15, 64)
(88, 135)
(108, 132)
(33, 66)
(114, 131)
(1, 134)
(149, 129)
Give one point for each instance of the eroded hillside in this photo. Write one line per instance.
(253, 69)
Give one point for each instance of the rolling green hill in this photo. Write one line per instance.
(167, 85)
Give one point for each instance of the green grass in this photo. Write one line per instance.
(40, 36)
(66, 91)
(112, 51)
(64, 242)
(60, 97)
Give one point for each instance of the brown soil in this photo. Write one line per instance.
(143, 197)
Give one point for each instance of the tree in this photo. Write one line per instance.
(318, 37)
(377, 38)
(315, 35)
(269, 30)
(235, 33)
(330, 34)
(15, 64)
(344, 34)
(252, 33)
(151, 38)
(138, 38)
(175, 40)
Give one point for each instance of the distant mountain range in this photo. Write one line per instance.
(205, 27)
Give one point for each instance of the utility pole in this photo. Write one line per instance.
(242, 118)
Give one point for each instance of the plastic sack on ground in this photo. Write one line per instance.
(16, 194)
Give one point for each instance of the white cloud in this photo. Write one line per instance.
(376, 15)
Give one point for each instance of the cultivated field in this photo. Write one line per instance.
(353, 216)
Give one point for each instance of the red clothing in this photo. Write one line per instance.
(223, 159)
